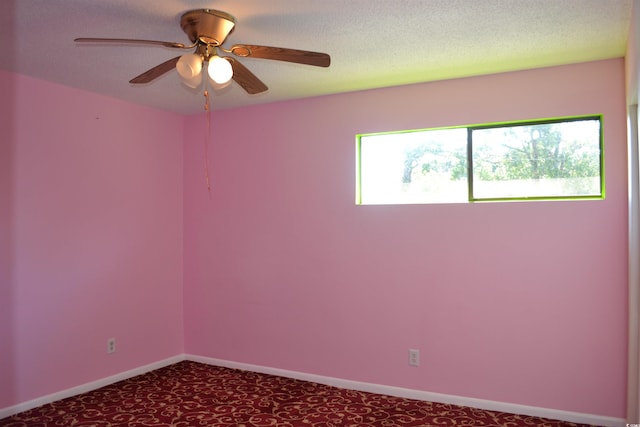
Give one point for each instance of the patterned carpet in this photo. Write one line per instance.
(190, 394)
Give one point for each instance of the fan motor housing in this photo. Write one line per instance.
(207, 26)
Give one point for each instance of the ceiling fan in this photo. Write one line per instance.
(208, 29)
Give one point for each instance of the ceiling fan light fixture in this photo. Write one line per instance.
(219, 86)
(220, 70)
(193, 82)
(189, 66)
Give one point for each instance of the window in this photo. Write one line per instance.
(544, 159)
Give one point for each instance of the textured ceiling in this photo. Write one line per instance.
(372, 43)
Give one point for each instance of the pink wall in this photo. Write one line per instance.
(7, 330)
(512, 302)
(92, 203)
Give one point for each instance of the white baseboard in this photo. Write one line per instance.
(93, 385)
(490, 405)
(575, 417)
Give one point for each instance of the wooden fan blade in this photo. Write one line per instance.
(246, 78)
(282, 54)
(132, 41)
(155, 72)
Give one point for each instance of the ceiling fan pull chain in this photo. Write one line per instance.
(206, 140)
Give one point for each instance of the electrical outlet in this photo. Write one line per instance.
(111, 345)
(414, 357)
